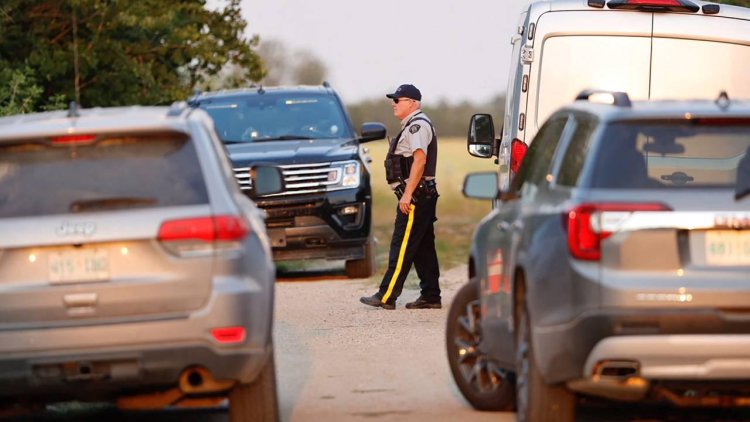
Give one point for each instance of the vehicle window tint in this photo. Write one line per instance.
(578, 148)
(40, 177)
(536, 163)
(276, 116)
(673, 154)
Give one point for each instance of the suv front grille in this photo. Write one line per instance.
(299, 178)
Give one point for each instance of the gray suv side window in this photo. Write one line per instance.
(536, 164)
(578, 147)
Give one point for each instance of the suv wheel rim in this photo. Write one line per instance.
(475, 367)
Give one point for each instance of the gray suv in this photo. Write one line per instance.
(616, 265)
(132, 267)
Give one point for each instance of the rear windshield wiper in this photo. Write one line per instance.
(109, 203)
(284, 138)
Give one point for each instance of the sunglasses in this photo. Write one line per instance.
(396, 100)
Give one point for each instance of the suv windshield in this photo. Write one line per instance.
(42, 177)
(278, 116)
(696, 153)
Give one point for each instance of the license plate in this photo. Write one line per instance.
(727, 247)
(78, 266)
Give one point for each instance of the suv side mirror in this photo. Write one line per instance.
(372, 131)
(480, 185)
(266, 179)
(481, 138)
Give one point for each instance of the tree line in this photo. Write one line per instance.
(122, 52)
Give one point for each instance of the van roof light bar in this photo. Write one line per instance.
(599, 4)
(619, 99)
(655, 5)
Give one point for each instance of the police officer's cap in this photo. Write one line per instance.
(406, 91)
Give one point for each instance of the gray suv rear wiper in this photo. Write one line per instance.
(284, 138)
(109, 203)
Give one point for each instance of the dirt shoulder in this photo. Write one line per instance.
(339, 360)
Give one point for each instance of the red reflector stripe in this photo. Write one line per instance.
(226, 335)
(73, 139)
(517, 152)
(208, 229)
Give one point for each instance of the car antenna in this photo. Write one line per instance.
(73, 109)
(261, 90)
(723, 100)
(326, 84)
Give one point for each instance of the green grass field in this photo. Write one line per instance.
(457, 215)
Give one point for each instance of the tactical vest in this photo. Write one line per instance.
(397, 167)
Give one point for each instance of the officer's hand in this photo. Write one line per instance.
(405, 203)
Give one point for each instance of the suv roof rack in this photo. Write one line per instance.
(177, 108)
(723, 100)
(616, 98)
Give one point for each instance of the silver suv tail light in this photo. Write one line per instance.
(201, 236)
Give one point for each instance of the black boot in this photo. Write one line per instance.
(376, 300)
(422, 303)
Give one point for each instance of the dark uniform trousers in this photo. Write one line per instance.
(413, 241)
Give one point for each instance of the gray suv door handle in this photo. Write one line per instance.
(503, 226)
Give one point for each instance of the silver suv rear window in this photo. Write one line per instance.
(98, 173)
(698, 153)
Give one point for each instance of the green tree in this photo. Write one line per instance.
(743, 3)
(120, 52)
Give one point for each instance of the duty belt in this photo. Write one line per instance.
(426, 189)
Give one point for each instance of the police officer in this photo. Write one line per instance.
(410, 171)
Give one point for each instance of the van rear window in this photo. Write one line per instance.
(98, 173)
(671, 154)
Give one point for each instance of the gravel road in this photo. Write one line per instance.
(339, 360)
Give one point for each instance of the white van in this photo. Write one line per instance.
(650, 49)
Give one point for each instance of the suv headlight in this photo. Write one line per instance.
(346, 174)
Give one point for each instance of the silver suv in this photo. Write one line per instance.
(132, 267)
(616, 265)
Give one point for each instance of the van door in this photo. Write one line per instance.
(577, 50)
(700, 56)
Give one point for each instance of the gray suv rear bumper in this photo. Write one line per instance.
(128, 355)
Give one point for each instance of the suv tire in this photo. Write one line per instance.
(365, 267)
(536, 400)
(484, 385)
(258, 401)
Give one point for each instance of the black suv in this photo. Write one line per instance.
(325, 211)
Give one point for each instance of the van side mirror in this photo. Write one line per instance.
(481, 139)
(266, 180)
(372, 131)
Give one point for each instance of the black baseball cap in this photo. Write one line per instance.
(406, 91)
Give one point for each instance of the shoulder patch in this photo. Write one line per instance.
(414, 128)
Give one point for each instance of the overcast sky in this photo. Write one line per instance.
(452, 50)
